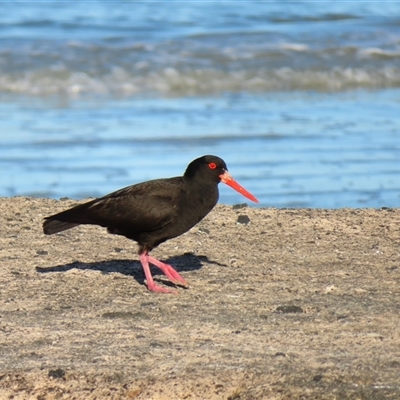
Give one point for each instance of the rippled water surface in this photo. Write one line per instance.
(301, 99)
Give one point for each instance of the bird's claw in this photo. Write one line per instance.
(158, 289)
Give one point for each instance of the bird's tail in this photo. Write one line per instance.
(51, 226)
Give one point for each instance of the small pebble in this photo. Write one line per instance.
(239, 206)
(289, 309)
(330, 288)
(243, 219)
(56, 373)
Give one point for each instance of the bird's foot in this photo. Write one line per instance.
(158, 289)
(169, 272)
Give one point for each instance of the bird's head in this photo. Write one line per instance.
(213, 168)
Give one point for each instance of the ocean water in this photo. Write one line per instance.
(301, 99)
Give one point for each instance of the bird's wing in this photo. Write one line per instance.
(144, 207)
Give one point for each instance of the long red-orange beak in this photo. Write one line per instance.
(228, 180)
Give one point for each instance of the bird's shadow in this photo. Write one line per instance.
(184, 262)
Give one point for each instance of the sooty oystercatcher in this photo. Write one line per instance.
(154, 211)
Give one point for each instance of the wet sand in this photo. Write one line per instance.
(295, 304)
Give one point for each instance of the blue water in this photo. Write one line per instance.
(301, 99)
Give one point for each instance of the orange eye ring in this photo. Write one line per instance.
(212, 165)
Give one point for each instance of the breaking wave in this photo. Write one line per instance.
(172, 82)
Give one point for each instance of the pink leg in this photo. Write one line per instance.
(144, 259)
(170, 273)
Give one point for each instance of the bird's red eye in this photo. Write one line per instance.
(212, 165)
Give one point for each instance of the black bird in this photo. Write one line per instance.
(154, 211)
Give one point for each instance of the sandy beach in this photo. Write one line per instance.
(285, 304)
